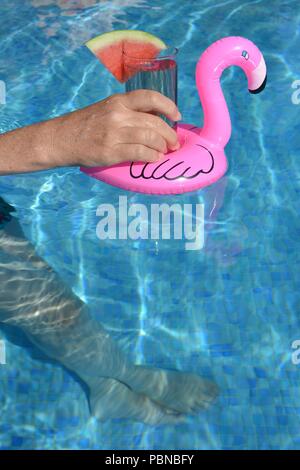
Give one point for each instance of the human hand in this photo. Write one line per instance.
(122, 127)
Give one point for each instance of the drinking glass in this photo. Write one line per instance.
(159, 73)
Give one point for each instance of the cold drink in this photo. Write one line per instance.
(158, 74)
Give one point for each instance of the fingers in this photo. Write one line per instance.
(157, 125)
(143, 136)
(136, 153)
(126, 127)
(149, 101)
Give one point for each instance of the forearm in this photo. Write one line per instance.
(118, 129)
(28, 149)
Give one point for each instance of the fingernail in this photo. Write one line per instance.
(178, 116)
(175, 147)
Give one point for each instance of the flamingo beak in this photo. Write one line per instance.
(258, 79)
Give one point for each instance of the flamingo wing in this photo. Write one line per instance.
(186, 165)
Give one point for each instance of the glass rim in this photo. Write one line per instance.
(170, 53)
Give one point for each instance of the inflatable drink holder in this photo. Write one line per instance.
(200, 160)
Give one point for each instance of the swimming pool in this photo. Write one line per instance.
(229, 311)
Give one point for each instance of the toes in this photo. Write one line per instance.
(159, 414)
(206, 390)
(211, 392)
(211, 388)
(171, 418)
(178, 419)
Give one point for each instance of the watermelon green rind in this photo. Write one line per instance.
(115, 48)
(112, 37)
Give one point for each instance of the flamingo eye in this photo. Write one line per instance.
(245, 55)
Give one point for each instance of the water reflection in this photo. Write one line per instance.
(88, 15)
(35, 299)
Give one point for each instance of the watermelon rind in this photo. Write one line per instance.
(106, 39)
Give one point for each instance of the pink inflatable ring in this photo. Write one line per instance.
(201, 160)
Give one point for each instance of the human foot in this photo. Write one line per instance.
(182, 392)
(110, 399)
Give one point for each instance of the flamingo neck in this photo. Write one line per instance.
(217, 125)
(215, 59)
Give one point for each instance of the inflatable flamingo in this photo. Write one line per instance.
(201, 160)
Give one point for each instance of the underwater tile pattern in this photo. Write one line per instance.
(230, 311)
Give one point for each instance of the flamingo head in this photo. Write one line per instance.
(234, 50)
(253, 63)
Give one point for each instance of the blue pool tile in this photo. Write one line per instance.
(16, 441)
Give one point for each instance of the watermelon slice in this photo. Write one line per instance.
(117, 47)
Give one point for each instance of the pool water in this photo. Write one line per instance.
(229, 311)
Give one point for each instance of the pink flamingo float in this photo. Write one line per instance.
(200, 160)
